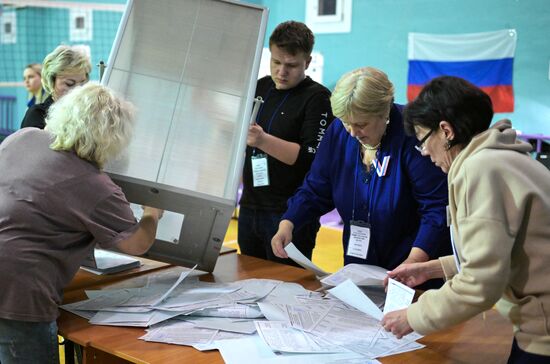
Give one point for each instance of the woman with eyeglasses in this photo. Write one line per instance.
(391, 199)
(499, 204)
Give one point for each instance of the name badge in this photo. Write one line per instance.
(359, 239)
(260, 173)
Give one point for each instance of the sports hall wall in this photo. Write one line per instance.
(378, 38)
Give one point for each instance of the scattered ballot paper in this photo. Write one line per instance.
(107, 262)
(360, 274)
(282, 337)
(298, 257)
(350, 294)
(182, 276)
(399, 296)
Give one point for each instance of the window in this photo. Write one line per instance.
(80, 25)
(327, 7)
(79, 22)
(329, 16)
(328, 10)
(8, 28)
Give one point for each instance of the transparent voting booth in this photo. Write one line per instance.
(190, 67)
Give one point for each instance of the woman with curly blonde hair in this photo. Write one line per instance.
(57, 204)
(92, 122)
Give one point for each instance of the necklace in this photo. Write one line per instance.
(370, 147)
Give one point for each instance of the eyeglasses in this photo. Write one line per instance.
(420, 145)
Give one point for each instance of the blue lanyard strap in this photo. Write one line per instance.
(263, 104)
(273, 114)
(370, 187)
(355, 185)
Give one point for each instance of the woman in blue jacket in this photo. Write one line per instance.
(391, 199)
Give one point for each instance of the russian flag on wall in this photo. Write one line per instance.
(485, 59)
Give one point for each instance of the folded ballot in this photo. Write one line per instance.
(302, 260)
(360, 274)
(107, 262)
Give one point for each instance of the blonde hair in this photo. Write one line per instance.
(364, 91)
(92, 121)
(36, 67)
(41, 95)
(64, 59)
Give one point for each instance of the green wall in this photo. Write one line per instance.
(379, 38)
(39, 31)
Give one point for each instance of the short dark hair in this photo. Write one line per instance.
(293, 37)
(465, 106)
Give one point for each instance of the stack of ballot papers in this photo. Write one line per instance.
(278, 322)
(360, 274)
(107, 262)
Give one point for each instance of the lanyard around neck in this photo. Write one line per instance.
(370, 187)
(274, 112)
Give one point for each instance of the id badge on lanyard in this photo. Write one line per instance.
(260, 172)
(359, 239)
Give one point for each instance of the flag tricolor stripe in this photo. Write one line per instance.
(485, 59)
(501, 96)
(481, 73)
(462, 47)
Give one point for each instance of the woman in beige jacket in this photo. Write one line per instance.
(499, 209)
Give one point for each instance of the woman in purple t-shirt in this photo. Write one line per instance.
(57, 205)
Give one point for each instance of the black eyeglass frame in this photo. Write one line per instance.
(420, 145)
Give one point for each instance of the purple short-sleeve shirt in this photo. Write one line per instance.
(54, 208)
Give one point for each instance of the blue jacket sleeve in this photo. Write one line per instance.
(314, 198)
(429, 187)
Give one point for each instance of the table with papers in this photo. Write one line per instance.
(111, 344)
(84, 279)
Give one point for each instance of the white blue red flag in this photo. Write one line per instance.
(485, 59)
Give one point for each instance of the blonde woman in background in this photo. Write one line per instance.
(62, 69)
(57, 204)
(32, 78)
(380, 184)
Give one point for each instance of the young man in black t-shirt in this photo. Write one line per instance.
(282, 143)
